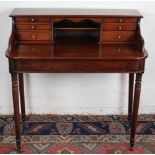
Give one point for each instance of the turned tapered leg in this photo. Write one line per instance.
(22, 97)
(130, 101)
(135, 108)
(15, 96)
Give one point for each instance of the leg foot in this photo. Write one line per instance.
(19, 148)
(20, 151)
(132, 144)
(135, 108)
(131, 148)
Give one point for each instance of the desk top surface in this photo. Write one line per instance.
(63, 51)
(74, 12)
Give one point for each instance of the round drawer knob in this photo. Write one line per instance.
(33, 36)
(121, 20)
(120, 27)
(33, 49)
(33, 27)
(119, 49)
(119, 37)
(32, 19)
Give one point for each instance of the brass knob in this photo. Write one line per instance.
(32, 27)
(33, 49)
(120, 27)
(33, 36)
(121, 20)
(32, 19)
(119, 49)
(119, 37)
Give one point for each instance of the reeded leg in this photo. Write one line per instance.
(22, 97)
(130, 101)
(135, 109)
(15, 96)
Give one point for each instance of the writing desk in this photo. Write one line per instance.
(76, 41)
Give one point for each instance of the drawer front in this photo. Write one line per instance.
(119, 26)
(34, 36)
(78, 66)
(119, 20)
(118, 36)
(35, 48)
(33, 19)
(35, 51)
(33, 27)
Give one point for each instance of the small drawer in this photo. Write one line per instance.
(34, 36)
(33, 27)
(33, 19)
(35, 48)
(119, 26)
(119, 20)
(52, 66)
(118, 36)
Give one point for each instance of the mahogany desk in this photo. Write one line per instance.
(76, 41)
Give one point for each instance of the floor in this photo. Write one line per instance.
(78, 134)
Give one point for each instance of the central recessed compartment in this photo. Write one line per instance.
(84, 30)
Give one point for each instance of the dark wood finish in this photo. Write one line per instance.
(22, 96)
(76, 41)
(118, 29)
(32, 19)
(22, 12)
(131, 89)
(118, 36)
(119, 20)
(67, 51)
(135, 108)
(16, 109)
(119, 26)
(33, 26)
(47, 66)
(35, 29)
(77, 19)
(34, 35)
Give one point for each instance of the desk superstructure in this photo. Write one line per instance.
(76, 41)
